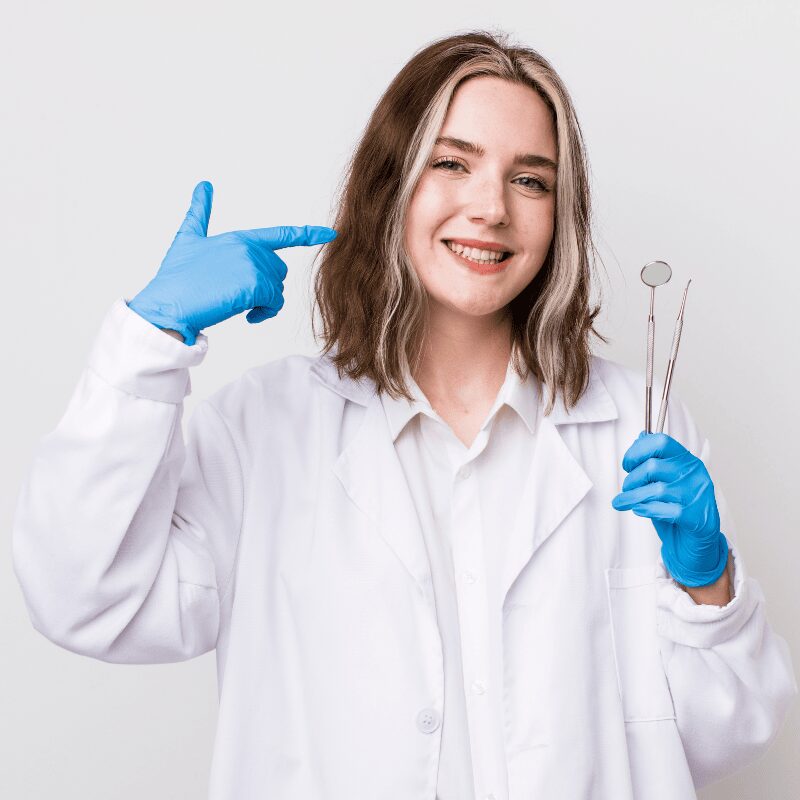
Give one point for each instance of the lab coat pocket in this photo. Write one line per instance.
(641, 676)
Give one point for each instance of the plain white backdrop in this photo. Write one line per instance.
(111, 112)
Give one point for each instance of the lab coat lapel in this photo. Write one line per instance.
(556, 481)
(372, 475)
(555, 484)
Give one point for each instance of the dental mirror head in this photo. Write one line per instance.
(656, 273)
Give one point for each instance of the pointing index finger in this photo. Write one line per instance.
(290, 235)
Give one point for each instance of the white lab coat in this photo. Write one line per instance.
(283, 534)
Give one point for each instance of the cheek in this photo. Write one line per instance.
(430, 206)
(538, 238)
(543, 225)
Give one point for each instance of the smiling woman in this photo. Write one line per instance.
(465, 218)
(495, 216)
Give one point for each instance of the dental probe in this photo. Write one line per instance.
(676, 340)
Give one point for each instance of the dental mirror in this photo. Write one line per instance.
(654, 273)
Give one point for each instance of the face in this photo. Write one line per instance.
(463, 195)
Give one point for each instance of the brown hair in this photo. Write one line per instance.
(372, 303)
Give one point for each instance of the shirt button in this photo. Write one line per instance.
(428, 720)
(465, 471)
(470, 577)
(478, 687)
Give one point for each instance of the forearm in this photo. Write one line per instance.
(715, 594)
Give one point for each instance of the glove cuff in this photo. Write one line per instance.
(157, 316)
(692, 577)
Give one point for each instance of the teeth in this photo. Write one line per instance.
(481, 256)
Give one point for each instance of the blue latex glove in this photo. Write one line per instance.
(671, 486)
(204, 279)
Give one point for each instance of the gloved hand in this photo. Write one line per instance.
(671, 486)
(204, 280)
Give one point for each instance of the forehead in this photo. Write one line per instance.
(500, 116)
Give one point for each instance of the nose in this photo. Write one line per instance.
(488, 204)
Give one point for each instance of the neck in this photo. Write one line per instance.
(465, 358)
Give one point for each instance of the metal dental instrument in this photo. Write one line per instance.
(654, 273)
(676, 340)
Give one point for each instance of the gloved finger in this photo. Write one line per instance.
(289, 235)
(662, 492)
(664, 512)
(655, 469)
(270, 264)
(196, 219)
(649, 445)
(259, 314)
(269, 301)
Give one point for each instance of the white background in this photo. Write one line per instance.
(111, 112)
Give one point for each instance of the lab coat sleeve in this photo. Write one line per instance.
(124, 536)
(730, 675)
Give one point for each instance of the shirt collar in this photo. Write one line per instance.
(521, 395)
(595, 404)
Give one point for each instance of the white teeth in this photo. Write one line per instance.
(473, 254)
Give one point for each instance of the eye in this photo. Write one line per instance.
(536, 184)
(541, 186)
(441, 162)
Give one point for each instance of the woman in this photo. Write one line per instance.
(404, 550)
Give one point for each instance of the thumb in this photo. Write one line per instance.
(196, 220)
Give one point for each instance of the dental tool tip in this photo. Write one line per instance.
(683, 302)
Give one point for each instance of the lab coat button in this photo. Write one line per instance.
(478, 687)
(428, 720)
(465, 471)
(470, 577)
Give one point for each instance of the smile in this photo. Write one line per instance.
(481, 267)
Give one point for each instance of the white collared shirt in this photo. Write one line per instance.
(465, 498)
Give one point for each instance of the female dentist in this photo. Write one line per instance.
(411, 553)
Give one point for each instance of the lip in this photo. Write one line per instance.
(482, 269)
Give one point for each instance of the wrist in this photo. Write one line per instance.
(173, 334)
(719, 593)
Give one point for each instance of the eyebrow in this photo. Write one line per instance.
(524, 159)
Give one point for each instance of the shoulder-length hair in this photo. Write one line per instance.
(374, 307)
